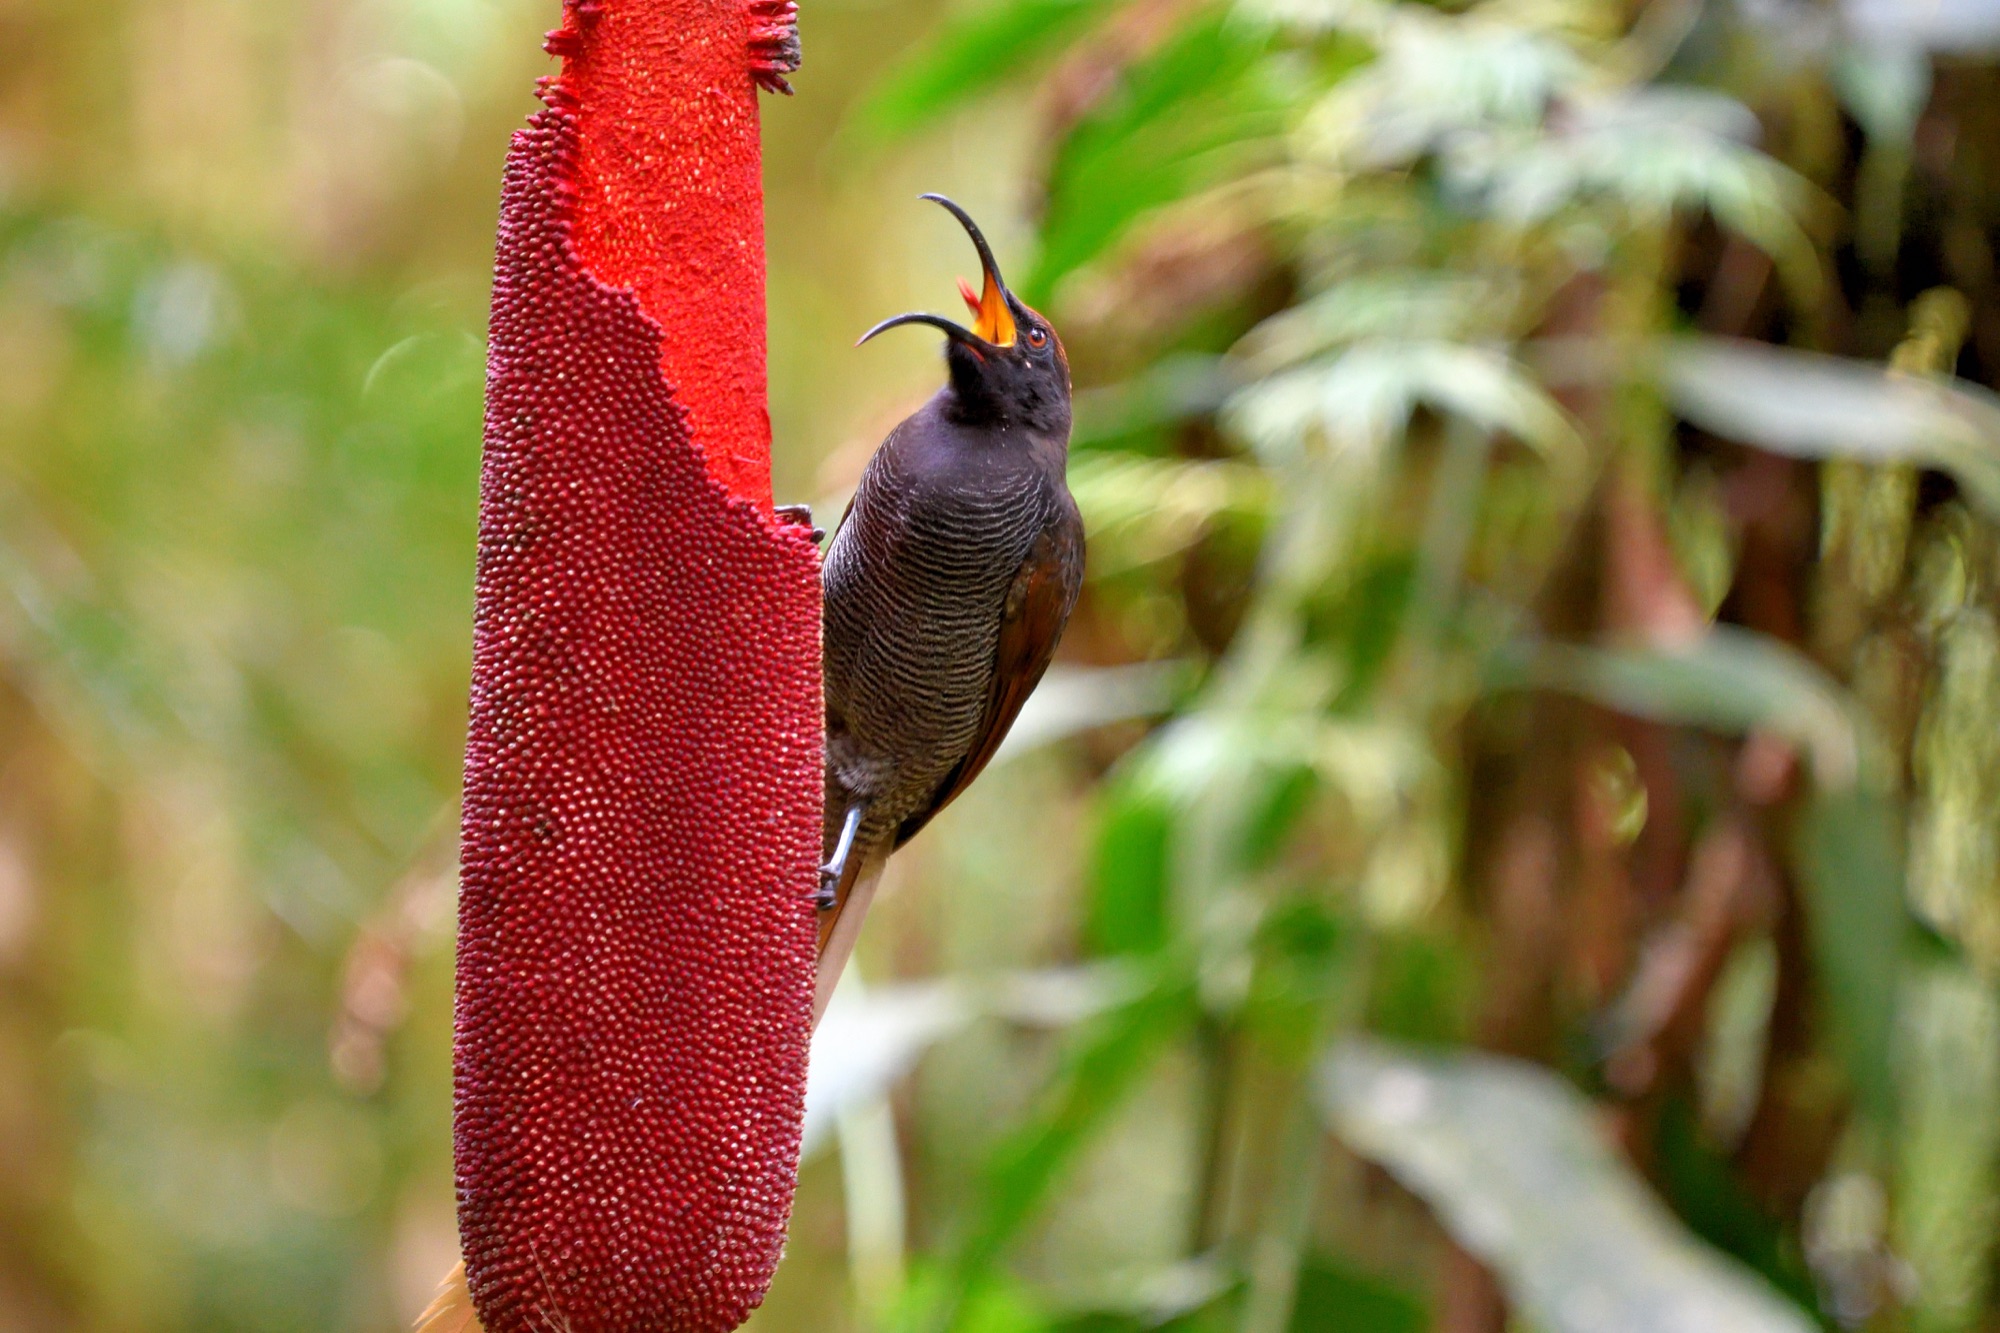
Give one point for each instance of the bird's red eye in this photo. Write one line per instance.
(1036, 338)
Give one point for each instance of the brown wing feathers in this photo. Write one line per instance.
(1038, 605)
(1037, 608)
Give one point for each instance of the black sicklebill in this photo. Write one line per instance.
(947, 586)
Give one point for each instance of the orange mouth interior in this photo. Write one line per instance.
(991, 319)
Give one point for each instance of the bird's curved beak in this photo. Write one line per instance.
(956, 332)
(992, 315)
(993, 325)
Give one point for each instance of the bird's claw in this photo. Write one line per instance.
(800, 516)
(828, 894)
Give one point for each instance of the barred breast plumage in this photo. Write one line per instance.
(947, 588)
(915, 583)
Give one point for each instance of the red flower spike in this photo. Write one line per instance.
(774, 43)
(562, 42)
(671, 205)
(643, 765)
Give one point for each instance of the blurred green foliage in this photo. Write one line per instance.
(1554, 882)
(1559, 433)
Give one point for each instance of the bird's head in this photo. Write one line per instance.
(1009, 368)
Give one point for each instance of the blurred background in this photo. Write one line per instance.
(1513, 840)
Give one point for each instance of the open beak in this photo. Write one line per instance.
(992, 317)
(957, 333)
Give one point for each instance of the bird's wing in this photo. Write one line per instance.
(1038, 605)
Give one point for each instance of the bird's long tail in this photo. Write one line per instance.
(841, 926)
(450, 1311)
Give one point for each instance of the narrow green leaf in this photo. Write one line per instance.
(1129, 869)
(1368, 624)
(1268, 825)
(1421, 988)
(1850, 855)
(1948, 1144)
(1108, 1058)
(1301, 953)
(974, 50)
(1000, 1304)
(1189, 115)
(1697, 1180)
(1335, 1297)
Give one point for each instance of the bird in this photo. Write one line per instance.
(947, 587)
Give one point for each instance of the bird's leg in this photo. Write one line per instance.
(800, 516)
(836, 866)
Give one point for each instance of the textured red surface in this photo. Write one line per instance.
(642, 793)
(670, 205)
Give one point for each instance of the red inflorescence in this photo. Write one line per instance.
(774, 43)
(670, 204)
(642, 806)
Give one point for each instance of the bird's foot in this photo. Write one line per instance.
(800, 516)
(835, 868)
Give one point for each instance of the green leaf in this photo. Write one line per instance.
(1139, 510)
(1300, 952)
(1652, 152)
(1287, 794)
(1849, 850)
(1948, 1143)
(1103, 1322)
(1204, 106)
(1517, 1168)
(999, 1304)
(974, 50)
(1107, 1059)
(1368, 624)
(1129, 869)
(1335, 1297)
(1360, 402)
(1729, 680)
(1435, 82)
(1421, 988)
(1806, 405)
(1209, 1319)
(1375, 306)
(1697, 1181)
